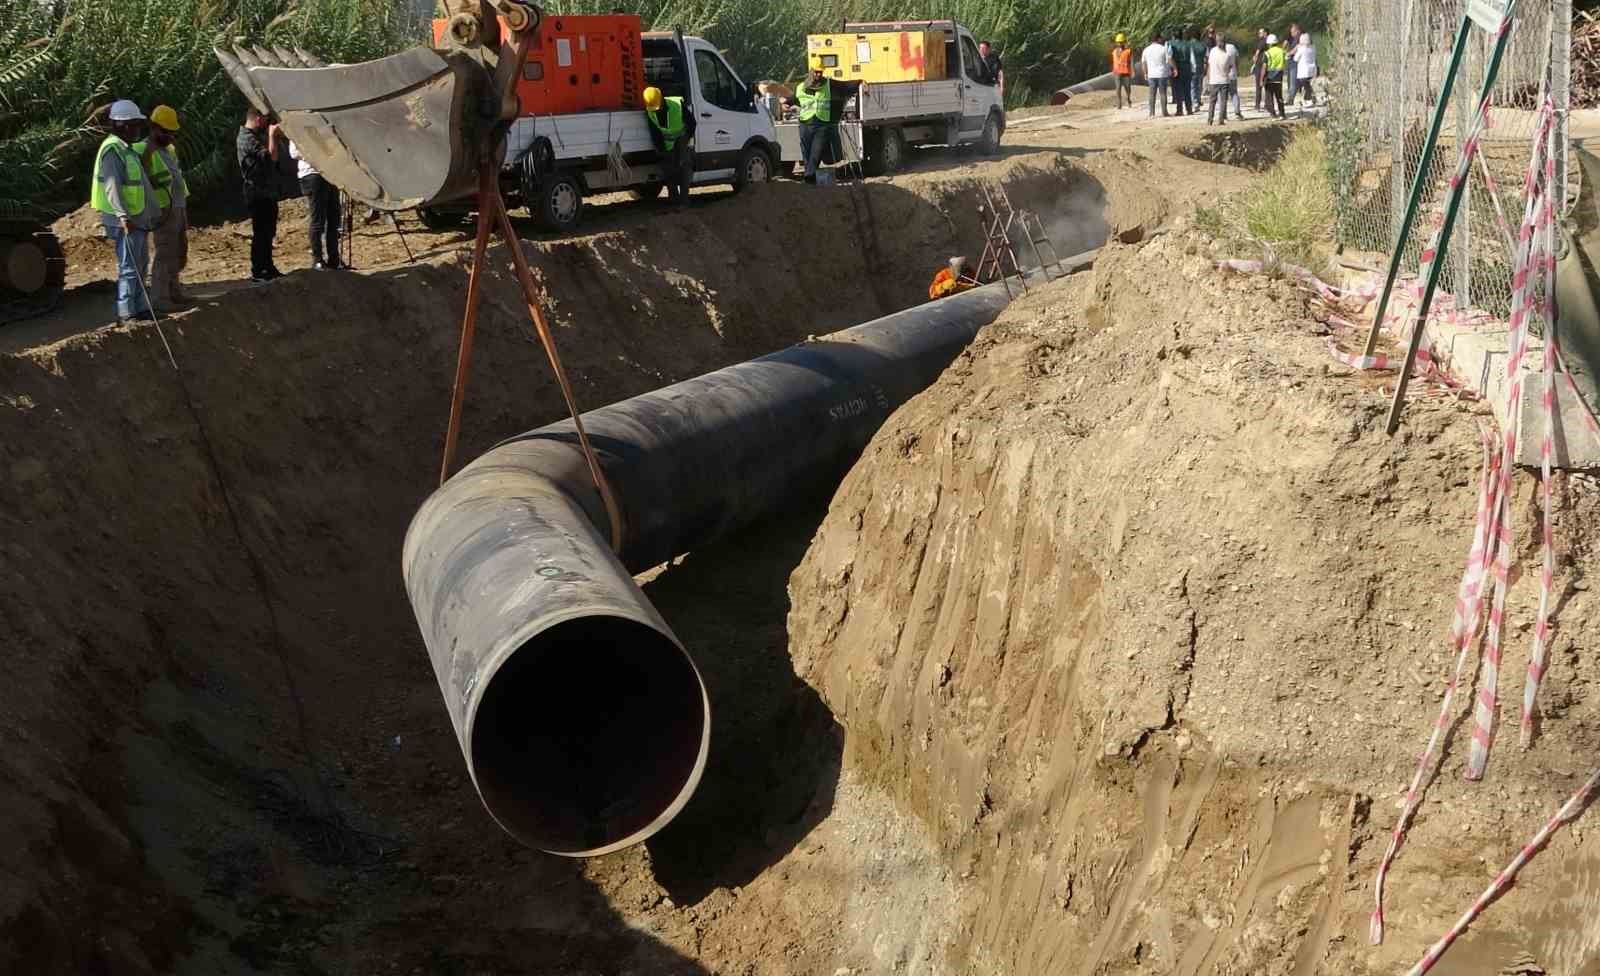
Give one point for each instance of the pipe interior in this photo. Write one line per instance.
(588, 733)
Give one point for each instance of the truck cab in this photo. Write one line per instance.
(553, 161)
(729, 126)
(582, 128)
(917, 94)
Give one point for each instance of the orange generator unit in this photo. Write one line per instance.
(579, 64)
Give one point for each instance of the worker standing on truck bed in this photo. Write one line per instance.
(127, 206)
(672, 130)
(821, 102)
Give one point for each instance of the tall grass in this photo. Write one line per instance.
(62, 62)
(1287, 214)
(1045, 43)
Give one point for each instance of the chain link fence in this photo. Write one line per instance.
(1390, 62)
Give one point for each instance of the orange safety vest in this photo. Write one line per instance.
(1122, 61)
(946, 283)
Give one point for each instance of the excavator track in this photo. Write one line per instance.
(33, 270)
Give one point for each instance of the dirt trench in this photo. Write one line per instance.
(222, 743)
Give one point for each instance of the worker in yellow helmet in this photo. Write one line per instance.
(672, 130)
(170, 253)
(121, 192)
(1122, 69)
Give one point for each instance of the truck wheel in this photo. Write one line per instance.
(989, 145)
(755, 166)
(891, 152)
(650, 191)
(557, 203)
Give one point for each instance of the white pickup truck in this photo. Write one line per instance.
(962, 109)
(553, 161)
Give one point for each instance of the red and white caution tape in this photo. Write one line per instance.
(1569, 812)
(1469, 610)
(1533, 292)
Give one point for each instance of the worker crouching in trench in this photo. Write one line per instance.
(672, 130)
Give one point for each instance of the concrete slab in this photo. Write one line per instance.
(1477, 355)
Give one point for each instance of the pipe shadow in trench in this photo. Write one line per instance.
(775, 747)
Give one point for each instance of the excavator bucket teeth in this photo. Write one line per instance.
(266, 57)
(396, 133)
(238, 71)
(308, 59)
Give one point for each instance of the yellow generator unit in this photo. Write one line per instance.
(879, 57)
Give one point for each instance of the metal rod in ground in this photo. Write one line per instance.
(1437, 267)
(395, 223)
(1414, 201)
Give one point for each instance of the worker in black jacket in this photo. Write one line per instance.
(257, 152)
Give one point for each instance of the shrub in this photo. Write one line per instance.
(1287, 214)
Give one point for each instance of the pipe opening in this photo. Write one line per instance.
(591, 736)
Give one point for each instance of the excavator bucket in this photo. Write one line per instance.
(396, 133)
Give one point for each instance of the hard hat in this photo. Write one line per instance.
(652, 98)
(1122, 38)
(165, 116)
(123, 110)
(1272, 38)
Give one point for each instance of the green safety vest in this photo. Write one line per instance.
(161, 176)
(132, 192)
(1277, 58)
(815, 103)
(673, 130)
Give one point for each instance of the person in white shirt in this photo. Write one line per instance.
(1218, 67)
(1305, 68)
(1233, 79)
(322, 203)
(1157, 66)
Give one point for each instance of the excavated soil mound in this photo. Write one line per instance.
(220, 738)
(1142, 619)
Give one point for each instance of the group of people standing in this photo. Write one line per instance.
(1194, 66)
(260, 149)
(139, 190)
(1280, 64)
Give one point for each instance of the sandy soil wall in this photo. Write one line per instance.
(1141, 614)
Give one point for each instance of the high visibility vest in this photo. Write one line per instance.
(1276, 58)
(1122, 61)
(132, 191)
(673, 130)
(161, 175)
(815, 103)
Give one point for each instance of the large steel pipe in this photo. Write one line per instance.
(583, 720)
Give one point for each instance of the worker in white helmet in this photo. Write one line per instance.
(122, 193)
